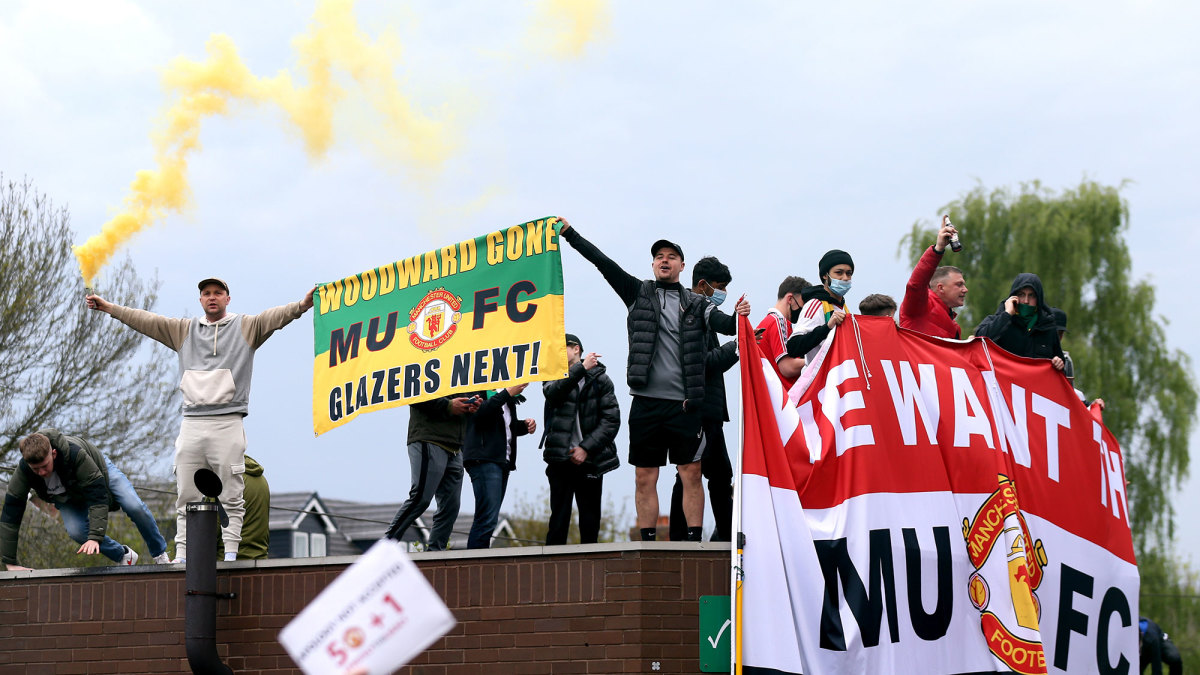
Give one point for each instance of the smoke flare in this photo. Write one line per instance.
(202, 89)
(333, 44)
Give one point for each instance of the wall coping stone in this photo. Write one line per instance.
(598, 550)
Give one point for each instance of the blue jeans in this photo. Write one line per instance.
(489, 481)
(75, 517)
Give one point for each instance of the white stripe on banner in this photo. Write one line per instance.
(883, 583)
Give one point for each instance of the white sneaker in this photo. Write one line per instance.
(179, 561)
(230, 556)
(131, 557)
(162, 559)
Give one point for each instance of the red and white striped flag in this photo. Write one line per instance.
(932, 506)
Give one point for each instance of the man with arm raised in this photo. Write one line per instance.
(216, 361)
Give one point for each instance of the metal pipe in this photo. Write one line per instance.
(200, 615)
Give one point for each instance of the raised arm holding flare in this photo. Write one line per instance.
(216, 362)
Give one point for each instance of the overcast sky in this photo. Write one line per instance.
(765, 133)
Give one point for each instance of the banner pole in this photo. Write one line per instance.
(738, 543)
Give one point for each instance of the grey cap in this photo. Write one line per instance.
(213, 280)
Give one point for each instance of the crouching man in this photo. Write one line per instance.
(84, 485)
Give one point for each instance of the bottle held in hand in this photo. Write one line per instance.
(955, 244)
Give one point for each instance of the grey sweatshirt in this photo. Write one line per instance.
(216, 359)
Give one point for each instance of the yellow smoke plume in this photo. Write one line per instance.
(201, 89)
(565, 28)
(333, 45)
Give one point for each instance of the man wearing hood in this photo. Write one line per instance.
(582, 418)
(216, 360)
(824, 305)
(1024, 324)
(256, 525)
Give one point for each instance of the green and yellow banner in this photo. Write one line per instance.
(483, 313)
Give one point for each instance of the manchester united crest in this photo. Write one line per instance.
(1010, 626)
(433, 321)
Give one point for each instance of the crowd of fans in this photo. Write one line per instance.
(674, 372)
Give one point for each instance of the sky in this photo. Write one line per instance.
(764, 133)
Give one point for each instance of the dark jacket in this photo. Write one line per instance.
(84, 476)
(720, 358)
(800, 344)
(599, 418)
(485, 439)
(431, 422)
(1155, 649)
(256, 532)
(643, 301)
(1009, 331)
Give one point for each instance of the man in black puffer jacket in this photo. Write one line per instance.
(582, 418)
(1024, 324)
(668, 325)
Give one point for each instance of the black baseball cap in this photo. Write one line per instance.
(664, 243)
(1060, 318)
(572, 340)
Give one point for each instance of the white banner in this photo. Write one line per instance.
(378, 615)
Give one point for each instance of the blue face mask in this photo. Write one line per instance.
(717, 297)
(839, 287)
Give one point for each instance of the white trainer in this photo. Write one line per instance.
(162, 559)
(131, 557)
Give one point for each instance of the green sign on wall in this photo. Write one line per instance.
(716, 634)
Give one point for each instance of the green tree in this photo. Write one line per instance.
(1075, 241)
(1171, 596)
(63, 365)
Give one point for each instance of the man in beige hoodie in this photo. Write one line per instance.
(216, 361)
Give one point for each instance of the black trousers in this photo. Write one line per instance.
(715, 467)
(569, 483)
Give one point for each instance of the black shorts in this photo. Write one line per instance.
(660, 429)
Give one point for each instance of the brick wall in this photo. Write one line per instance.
(608, 608)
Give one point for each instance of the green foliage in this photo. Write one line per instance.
(63, 365)
(529, 519)
(1075, 242)
(1171, 597)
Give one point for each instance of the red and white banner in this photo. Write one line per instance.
(932, 506)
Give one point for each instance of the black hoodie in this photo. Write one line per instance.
(1009, 331)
